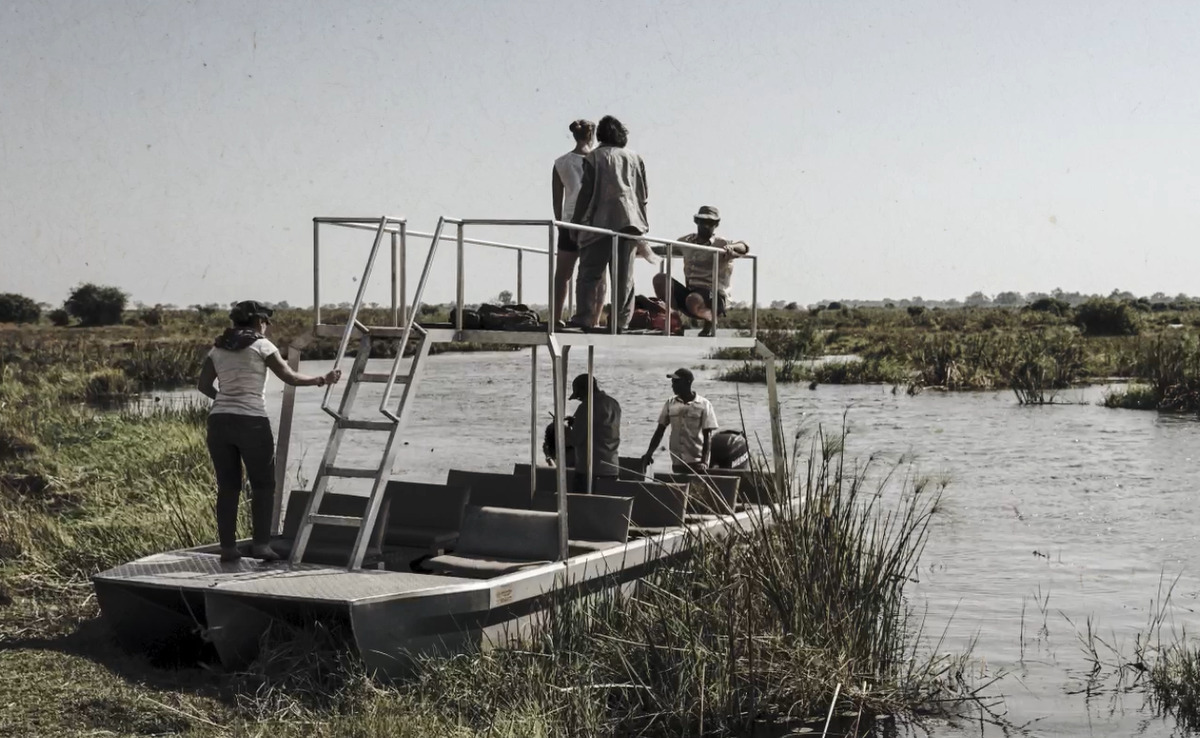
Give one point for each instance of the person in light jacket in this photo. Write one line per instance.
(613, 196)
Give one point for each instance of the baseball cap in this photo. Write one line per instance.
(707, 212)
(579, 387)
(682, 373)
(247, 310)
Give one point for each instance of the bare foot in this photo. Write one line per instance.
(264, 551)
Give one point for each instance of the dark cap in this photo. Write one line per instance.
(684, 374)
(579, 387)
(247, 310)
(708, 212)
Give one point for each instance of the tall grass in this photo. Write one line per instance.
(761, 626)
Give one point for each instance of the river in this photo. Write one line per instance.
(1053, 515)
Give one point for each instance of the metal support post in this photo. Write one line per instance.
(560, 409)
(533, 421)
(591, 416)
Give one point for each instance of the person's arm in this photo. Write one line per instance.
(208, 375)
(586, 187)
(737, 248)
(705, 452)
(664, 419)
(648, 457)
(284, 372)
(708, 427)
(556, 192)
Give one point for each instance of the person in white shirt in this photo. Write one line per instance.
(234, 377)
(692, 421)
(564, 190)
(696, 297)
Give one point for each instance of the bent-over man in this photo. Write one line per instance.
(606, 432)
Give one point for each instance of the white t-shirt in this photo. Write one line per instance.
(570, 170)
(688, 421)
(242, 379)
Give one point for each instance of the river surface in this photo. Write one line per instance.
(1053, 515)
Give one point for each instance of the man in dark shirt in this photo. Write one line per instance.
(606, 432)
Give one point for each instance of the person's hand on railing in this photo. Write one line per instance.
(330, 377)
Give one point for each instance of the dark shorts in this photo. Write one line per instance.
(568, 240)
(679, 295)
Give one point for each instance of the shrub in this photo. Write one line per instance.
(1049, 305)
(59, 317)
(16, 308)
(95, 305)
(1104, 317)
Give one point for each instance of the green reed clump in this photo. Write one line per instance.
(872, 370)
(1175, 682)
(1133, 397)
(969, 361)
(1038, 364)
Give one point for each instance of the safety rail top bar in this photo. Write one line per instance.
(383, 225)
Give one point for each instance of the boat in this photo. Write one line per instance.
(414, 569)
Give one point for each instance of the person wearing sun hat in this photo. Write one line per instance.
(234, 377)
(692, 421)
(606, 432)
(695, 296)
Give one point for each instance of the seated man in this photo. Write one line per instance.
(696, 297)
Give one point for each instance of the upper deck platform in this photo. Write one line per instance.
(451, 232)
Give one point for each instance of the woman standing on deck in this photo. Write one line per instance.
(564, 189)
(239, 431)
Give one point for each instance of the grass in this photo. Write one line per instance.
(759, 627)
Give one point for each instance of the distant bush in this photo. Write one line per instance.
(916, 310)
(59, 317)
(1050, 305)
(1105, 317)
(95, 305)
(16, 308)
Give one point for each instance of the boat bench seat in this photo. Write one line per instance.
(489, 489)
(497, 540)
(546, 477)
(657, 506)
(424, 516)
(330, 544)
(757, 486)
(709, 495)
(594, 522)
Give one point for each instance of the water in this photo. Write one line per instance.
(1053, 514)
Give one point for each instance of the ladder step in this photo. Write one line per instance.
(382, 378)
(342, 471)
(371, 425)
(343, 520)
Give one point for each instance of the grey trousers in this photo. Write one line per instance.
(594, 259)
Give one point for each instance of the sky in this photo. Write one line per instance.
(179, 150)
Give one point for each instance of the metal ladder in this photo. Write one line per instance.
(391, 424)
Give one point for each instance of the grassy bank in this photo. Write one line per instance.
(124, 359)
(752, 629)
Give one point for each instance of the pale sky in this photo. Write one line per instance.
(179, 150)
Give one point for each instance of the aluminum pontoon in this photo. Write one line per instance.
(417, 569)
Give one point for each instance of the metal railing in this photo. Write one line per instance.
(402, 312)
(551, 252)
